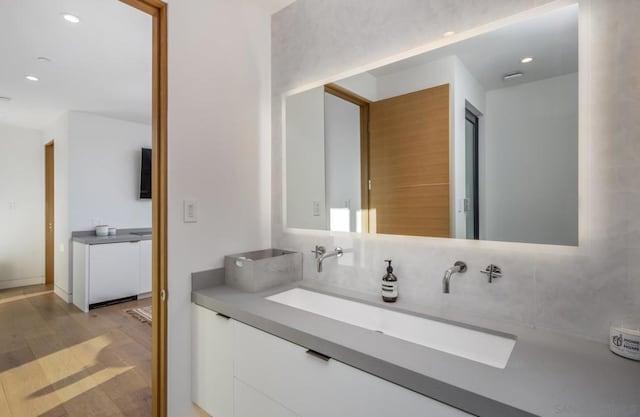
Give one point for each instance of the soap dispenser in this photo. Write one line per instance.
(389, 285)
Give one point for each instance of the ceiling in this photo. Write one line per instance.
(101, 65)
(551, 39)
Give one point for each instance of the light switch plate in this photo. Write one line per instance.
(190, 211)
(464, 205)
(316, 208)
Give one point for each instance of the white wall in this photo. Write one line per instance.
(58, 131)
(305, 164)
(364, 84)
(342, 161)
(417, 78)
(219, 154)
(529, 183)
(104, 166)
(21, 207)
(97, 173)
(577, 291)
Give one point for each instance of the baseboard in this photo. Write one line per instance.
(62, 294)
(22, 282)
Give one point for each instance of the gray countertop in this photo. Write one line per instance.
(548, 374)
(89, 237)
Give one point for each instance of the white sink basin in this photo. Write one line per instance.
(487, 348)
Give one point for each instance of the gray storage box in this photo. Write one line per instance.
(263, 269)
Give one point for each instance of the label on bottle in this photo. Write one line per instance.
(625, 342)
(390, 289)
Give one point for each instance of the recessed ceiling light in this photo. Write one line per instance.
(32, 78)
(5, 99)
(526, 59)
(449, 33)
(70, 18)
(512, 75)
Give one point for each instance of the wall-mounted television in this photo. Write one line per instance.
(145, 173)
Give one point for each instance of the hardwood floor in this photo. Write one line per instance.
(57, 361)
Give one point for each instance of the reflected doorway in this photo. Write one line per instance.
(471, 203)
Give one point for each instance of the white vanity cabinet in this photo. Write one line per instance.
(212, 362)
(292, 381)
(249, 402)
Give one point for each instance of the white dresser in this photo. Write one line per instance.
(110, 271)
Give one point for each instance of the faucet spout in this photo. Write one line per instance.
(460, 267)
(322, 254)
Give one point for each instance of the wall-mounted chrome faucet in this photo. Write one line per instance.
(322, 254)
(459, 266)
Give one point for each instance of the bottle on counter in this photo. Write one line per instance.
(389, 285)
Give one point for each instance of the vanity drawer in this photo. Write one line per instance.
(312, 386)
(248, 402)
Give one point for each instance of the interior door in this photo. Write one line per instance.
(49, 211)
(409, 164)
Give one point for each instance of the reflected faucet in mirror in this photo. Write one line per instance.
(322, 254)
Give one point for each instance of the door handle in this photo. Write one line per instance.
(318, 355)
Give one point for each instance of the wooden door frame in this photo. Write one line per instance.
(363, 103)
(157, 9)
(49, 200)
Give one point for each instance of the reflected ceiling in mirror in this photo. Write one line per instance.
(474, 140)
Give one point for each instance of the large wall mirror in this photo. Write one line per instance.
(474, 140)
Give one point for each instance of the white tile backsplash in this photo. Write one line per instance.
(574, 290)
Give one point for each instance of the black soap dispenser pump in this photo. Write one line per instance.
(389, 285)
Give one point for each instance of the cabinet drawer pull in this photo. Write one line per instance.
(223, 316)
(318, 355)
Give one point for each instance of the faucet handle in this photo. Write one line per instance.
(492, 271)
(462, 266)
(319, 251)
